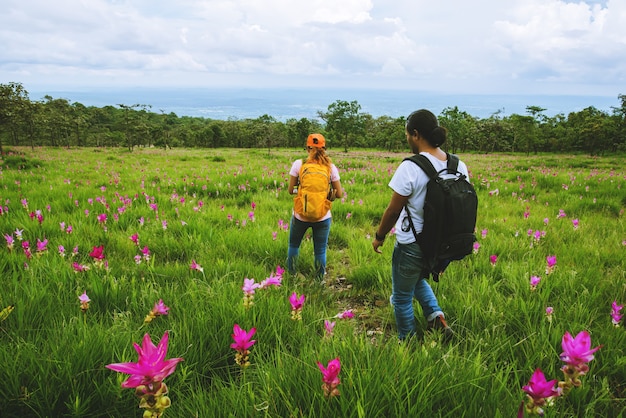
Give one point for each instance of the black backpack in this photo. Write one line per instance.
(449, 216)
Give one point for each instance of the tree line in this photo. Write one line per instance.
(57, 122)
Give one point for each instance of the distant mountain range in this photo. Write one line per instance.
(284, 104)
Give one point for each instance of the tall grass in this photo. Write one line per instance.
(223, 208)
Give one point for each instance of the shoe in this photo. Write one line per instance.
(439, 323)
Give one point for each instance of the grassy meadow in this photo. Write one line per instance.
(188, 226)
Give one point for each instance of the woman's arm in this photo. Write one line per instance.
(337, 189)
(293, 182)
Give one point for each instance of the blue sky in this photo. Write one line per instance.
(452, 46)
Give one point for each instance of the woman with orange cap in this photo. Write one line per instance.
(316, 175)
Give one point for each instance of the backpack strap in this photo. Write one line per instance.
(453, 163)
(424, 163)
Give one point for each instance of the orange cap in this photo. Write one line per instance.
(316, 141)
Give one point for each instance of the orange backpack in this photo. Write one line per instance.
(311, 202)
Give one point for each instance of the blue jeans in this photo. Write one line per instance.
(297, 228)
(406, 284)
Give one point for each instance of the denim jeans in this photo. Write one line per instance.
(407, 283)
(297, 229)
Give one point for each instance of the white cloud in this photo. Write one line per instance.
(452, 45)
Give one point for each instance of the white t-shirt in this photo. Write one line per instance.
(295, 172)
(410, 180)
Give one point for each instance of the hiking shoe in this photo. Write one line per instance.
(439, 323)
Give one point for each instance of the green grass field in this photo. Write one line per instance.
(225, 210)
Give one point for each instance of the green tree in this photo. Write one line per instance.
(460, 125)
(14, 106)
(344, 121)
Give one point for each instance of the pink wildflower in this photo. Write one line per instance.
(538, 391)
(10, 241)
(347, 314)
(151, 367)
(329, 326)
(550, 263)
(330, 377)
(158, 310)
(242, 343)
(616, 317)
(146, 253)
(79, 268)
(493, 259)
(196, 266)
(577, 352)
(135, 238)
(249, 287)
(297, 302)
(84, 301)
(534, 281)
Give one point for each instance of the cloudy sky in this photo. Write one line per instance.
(455, 46)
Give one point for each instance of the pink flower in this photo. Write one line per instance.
(196, 266)
(242, 338)
(616, 317)
(538, 388)
(79, 267)
(550, 263)
(483, 233)
(42, 246)
(151, 367)
(84, 298)
(476, 247)
(10, 241)
(561, 214)
(273, 280)
(102, 218)
(330, 377)
(575, 223)
(297, 302)
(160, 308)
(280, 271)
(249, 286)
(329, 326)
(135, 238)
(493, 259)
(146, 253)
(84, 302)
(97, 253)
(347, 314)
(296, 306)
(534, 281)
(577, 350)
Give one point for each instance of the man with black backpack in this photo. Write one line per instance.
(414, 259)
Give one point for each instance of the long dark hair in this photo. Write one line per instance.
(425, 122)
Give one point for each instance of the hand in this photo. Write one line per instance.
(377, 244)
